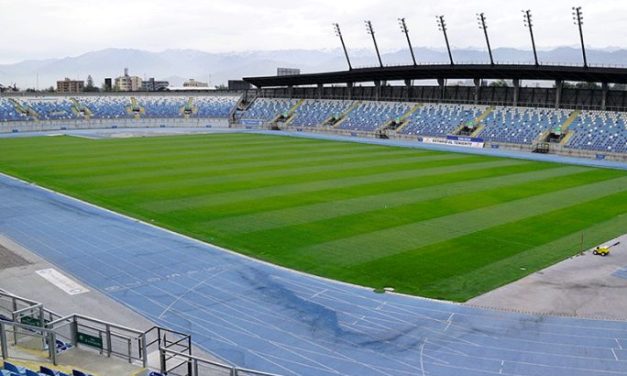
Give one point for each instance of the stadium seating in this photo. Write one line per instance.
(520, 125)
(161, 107)
(51, 108)
(214, 106)
(313, 112)
(265, 109)
(599, 131)
(9, 369)
(8, 112)
(440, 119)
(369, 116)
(109, 107)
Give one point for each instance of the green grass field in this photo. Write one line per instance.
(428, 223)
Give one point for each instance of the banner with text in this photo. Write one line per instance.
(470, 142)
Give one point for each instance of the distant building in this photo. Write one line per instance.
(287, 71)
(152, 85)
(128, 83)
(193, 83)
(108, 85)
(238, 85)
(70, 86)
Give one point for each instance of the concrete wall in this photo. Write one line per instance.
(52, 125)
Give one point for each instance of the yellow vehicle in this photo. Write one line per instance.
(604, 250)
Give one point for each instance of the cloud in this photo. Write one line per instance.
(57, 28)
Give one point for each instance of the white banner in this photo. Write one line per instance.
(444, 141)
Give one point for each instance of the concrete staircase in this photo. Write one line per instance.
(77, 107)
(131, 109)
(26, 110)
(568, 134)
(403, 118)
(289, 115)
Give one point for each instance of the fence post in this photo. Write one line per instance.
(162, 361)
(52, 347)
(144, 350)
(74, 331)
(195, 367)
(130, 350)
(108, 336)
(3, 342)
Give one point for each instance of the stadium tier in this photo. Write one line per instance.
(50, 108)
(105, 107)
(264, 109)
(8, 112)
(161, 107)
(440, 119)
(312, 113)
(599, 131)
(215, 106)
(368, 116)
(521, 125)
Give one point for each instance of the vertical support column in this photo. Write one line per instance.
(441, 84)
(605, 88)
(477, 82)
(320, 88)
(377, 90)
(408, 93)
(558, 93)
(516, 91)
(290, 91)
(3, 341)
(349, 87)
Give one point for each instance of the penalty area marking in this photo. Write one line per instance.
(61, 281)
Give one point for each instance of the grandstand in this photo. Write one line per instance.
(586, 133)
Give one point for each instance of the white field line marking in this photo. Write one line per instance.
(422, 364)
(618, 343)
(614, 353)
(318, 293)
(64, 283)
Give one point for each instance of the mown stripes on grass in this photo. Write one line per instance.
(425, 222)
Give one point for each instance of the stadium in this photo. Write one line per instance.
(366, 221)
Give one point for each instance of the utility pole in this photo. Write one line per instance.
(370, 31)
(484, 27)
(529, 24)
(403, 25)
(338, 32)
(578, 21)
(442, 28)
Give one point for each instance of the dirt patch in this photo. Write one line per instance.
(9, 259)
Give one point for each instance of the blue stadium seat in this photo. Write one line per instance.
(265, 109)
(313, 112)
(438, 120)
(213, 107)
(520, 125)
(369, 116)
(599, 131)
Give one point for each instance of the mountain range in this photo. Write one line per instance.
(178, 65)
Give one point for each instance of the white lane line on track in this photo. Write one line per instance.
(614, 353)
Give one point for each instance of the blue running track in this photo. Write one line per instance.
(259, 316)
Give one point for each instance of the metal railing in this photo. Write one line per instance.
(29, 324)
(189, 365)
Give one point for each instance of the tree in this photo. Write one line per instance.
(499, 83)
(587, 85)
(90, 85)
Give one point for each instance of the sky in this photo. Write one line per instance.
(39, 29)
